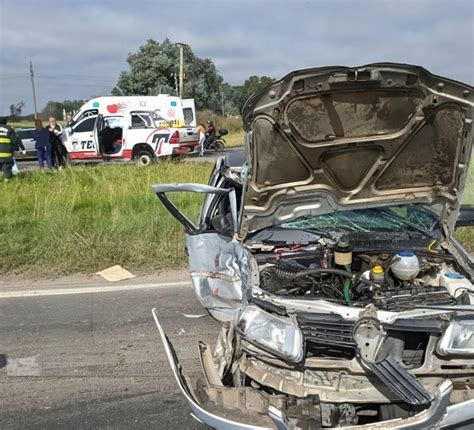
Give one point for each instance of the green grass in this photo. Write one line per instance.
(234, 140)
(21, 124)
(85, 219)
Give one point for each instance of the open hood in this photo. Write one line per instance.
(336, 138)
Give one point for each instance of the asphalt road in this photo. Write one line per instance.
(95, 360)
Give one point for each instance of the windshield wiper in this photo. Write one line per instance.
(277, 235)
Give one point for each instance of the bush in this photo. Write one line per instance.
(232, 123)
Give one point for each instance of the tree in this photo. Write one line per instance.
(16, 109)
(154, 70)
(72, 105)
(233, 99)
(239, 94)
(52, 108)
(253, 84)
(56, 109)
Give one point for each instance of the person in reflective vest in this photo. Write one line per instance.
(9, 141)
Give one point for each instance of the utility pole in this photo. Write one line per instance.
(175, 76)
(34, 91)
(181, 70)
(222, 101)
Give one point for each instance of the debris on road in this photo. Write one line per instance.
(115, 273)
(195, 315)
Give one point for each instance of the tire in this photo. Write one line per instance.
(143, 158)
(219, 145)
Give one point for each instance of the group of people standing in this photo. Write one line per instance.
(48, 144)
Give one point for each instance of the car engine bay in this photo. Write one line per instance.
(392, 281)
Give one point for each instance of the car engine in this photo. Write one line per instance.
(392, 281)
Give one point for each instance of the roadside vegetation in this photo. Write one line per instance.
(85, 219)
(235, 138)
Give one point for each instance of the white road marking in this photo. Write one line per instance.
(88, 290)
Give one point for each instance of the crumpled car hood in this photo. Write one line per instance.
(336, 138)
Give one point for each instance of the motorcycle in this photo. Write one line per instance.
(217, 143)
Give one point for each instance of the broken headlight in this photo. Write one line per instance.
(275, 334)
(458, 338)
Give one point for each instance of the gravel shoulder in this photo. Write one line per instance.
(77, 280)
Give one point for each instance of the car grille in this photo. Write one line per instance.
(330, 336)
(327, 335)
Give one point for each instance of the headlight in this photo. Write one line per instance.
(272, 333)
(458, 338)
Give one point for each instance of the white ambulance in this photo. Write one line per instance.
(138, 128)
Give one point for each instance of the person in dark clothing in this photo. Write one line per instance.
(108, 138)
(69, 120)
(58, 151)
(9, 142)
(210, 133)
(18, 145)
(42, 145)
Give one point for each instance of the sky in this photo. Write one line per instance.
(78, 48)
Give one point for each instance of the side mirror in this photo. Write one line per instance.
(465, 217)
(223, 225)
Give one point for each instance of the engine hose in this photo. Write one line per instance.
(290, 275)
(340, 272)
(347, 287)
(284, 273)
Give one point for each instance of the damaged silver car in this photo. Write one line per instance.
(328, 255)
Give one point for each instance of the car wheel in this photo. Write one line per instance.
(143, 158)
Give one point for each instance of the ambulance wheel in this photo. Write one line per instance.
(143, 158)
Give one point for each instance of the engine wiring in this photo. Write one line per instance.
(292, 272)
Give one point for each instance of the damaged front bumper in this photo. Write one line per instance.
(439, 415)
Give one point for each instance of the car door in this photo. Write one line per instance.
(220, 267)
(96, 134)
(80, 142)
(26, 137)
